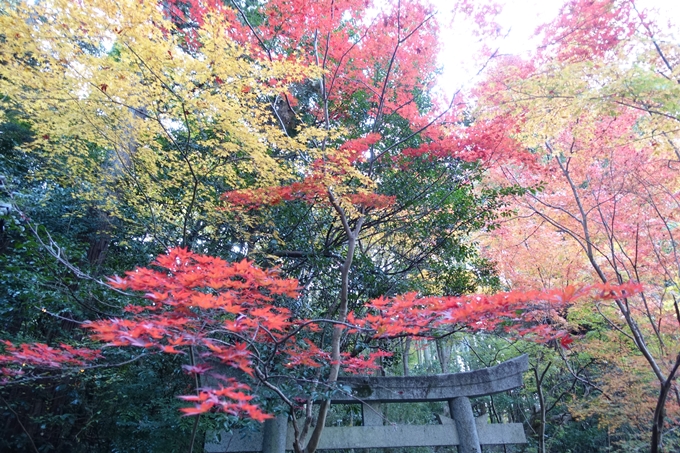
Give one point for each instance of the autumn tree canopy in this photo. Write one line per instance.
(255, 197)
(598, 109)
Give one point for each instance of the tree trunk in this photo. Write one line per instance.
(443, 354)
(352, 238)
(659, 411)
(541, 403)
(405, 355)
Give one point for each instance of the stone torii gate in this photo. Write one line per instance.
(372, 392)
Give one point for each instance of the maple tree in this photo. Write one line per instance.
(317, 148)
(597, 109)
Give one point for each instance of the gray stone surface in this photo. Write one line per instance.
(385, 437)
(372, 414)
(493, 434)
(390, 437)
(501, 433)
(440, 387)
(274, 435)
(461, 410)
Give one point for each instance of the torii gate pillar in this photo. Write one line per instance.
(461, 412)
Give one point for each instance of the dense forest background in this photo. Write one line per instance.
(301, 201)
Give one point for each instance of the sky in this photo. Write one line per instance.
(519, 20)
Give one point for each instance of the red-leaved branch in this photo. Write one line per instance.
(234, 316)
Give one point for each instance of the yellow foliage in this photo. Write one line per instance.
(126, 114)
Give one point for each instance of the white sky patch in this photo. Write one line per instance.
(460, 55)
(461, 52)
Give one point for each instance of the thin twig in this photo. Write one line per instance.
(20, 424)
